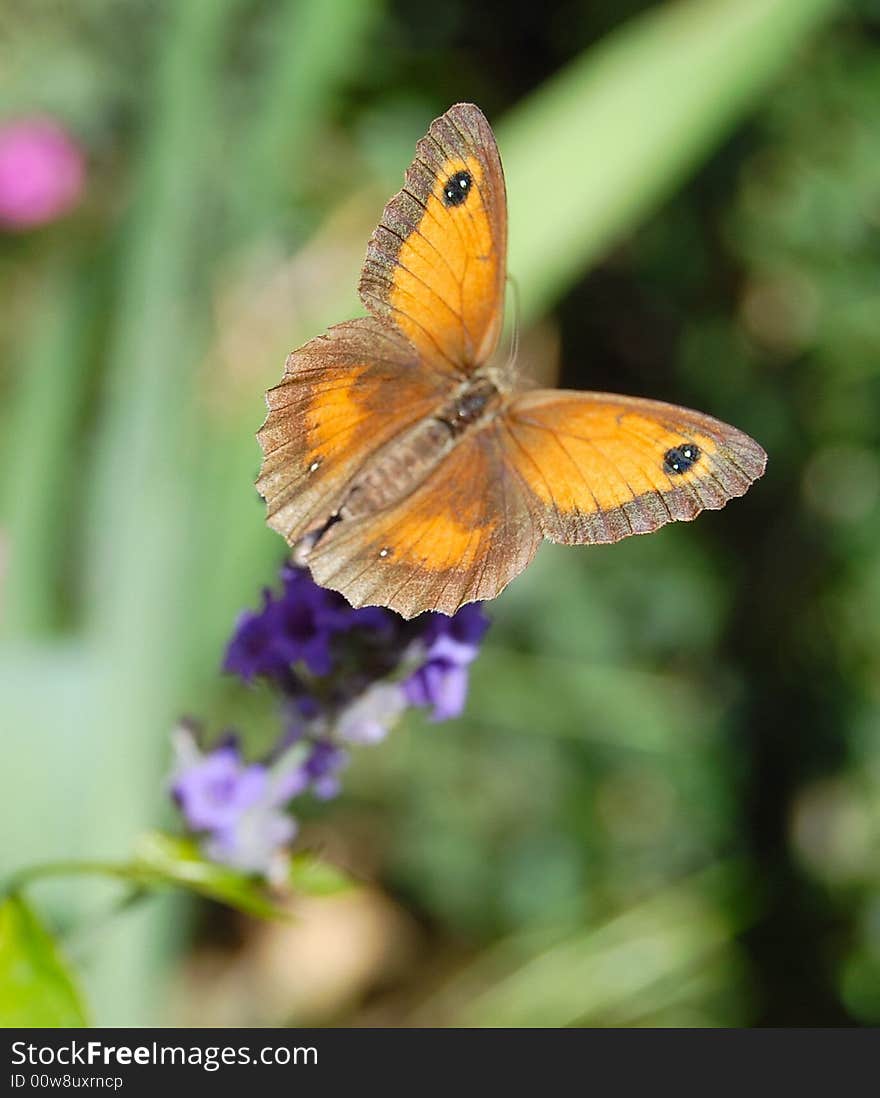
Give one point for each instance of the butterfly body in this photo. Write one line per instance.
(409, 471)
(397, 471)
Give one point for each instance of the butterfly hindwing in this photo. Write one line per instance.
(462, 535)
(435, 265)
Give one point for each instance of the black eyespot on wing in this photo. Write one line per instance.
(681, 458)
(457, 188)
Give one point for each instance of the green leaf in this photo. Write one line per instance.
(174, 861)
(309, 876)
(37, 989)
(625, 122)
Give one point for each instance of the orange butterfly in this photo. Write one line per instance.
(411, 473)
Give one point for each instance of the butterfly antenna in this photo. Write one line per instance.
(514, 335)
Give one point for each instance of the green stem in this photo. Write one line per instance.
(74, 867)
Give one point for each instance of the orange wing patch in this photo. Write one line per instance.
(600, 467)
(462, 535)
(444, 287)
(329, 415)
(436, 263)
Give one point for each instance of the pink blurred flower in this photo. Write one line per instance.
(42, 172)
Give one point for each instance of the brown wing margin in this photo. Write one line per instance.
(437, 269)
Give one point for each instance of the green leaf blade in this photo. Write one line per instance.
(602, 143)
(37, 988)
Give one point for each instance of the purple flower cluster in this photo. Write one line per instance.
(343, 677)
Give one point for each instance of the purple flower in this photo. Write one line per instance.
(288, 630)
(440, 686)
(253, 649)
(42, 172)
(450, 645)
(301, 625)
(301, 635)
(237, 808)
(213, 789)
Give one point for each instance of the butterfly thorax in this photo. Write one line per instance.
(473, 401)
(404, 463)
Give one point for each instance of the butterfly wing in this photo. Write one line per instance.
(435, 265)
(598, 467)
(331, 413)
(462, 535)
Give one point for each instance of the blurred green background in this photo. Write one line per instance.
(663, 803)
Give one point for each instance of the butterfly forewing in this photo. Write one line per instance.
(435, 265)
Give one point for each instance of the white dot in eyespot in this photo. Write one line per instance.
(383, 552)
(314, 466)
